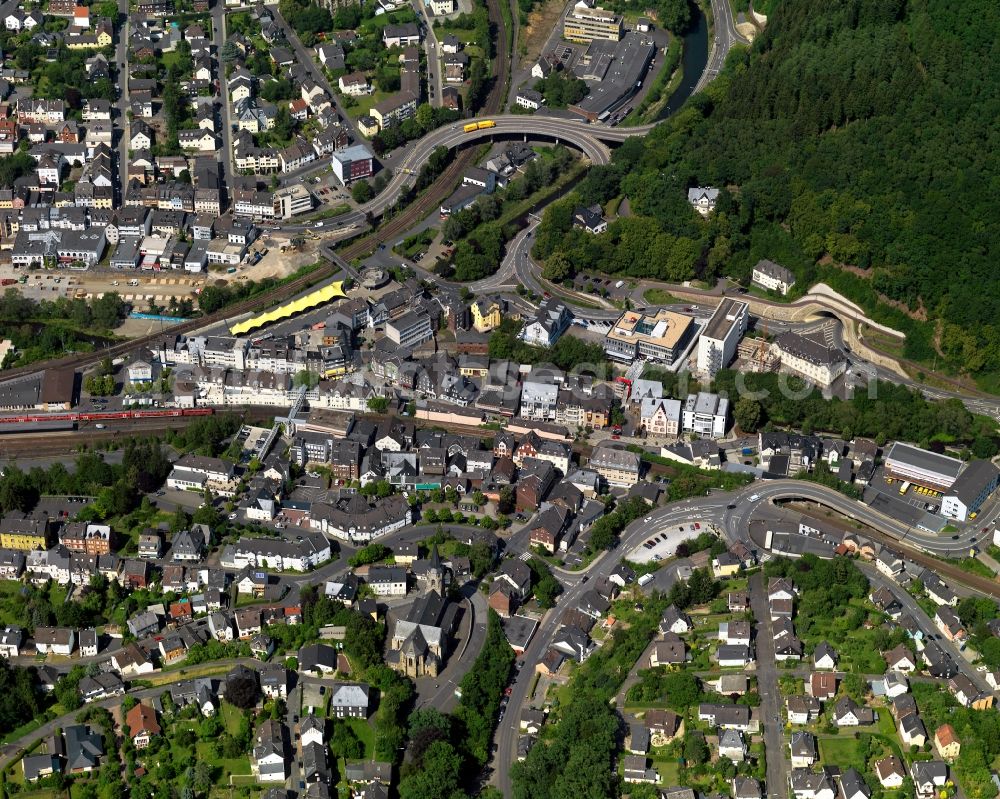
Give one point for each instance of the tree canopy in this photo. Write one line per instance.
(852, 144)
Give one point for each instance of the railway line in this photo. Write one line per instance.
(464, 159)
(79, 360)
(64, 442)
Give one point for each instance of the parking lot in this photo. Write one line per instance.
(920, 498)
(663, 544)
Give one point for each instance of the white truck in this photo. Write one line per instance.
(646, 579)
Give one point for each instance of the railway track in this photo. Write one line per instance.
(399, 224)
(441, 187)
(253, 303)
(914, 553)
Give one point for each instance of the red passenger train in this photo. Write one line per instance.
(105, 416)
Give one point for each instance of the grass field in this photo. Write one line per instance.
(668, 770)
(363, 730)
(843, 752)
(222, 767)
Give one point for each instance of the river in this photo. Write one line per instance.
(693, 60)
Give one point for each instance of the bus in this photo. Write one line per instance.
(470, 127)
(489, 123)
(904, 488)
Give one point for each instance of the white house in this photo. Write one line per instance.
(703, 199)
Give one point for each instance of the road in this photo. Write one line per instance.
(121, 104)
(306, 59)
(738, 518)
(219, 39)
(926, 624)
(432, 50)
(767, 688)
(726, 36)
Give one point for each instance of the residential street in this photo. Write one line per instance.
(770, 695)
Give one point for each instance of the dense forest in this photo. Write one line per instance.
(852, 143)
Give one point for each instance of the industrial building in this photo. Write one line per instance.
(614, 71)
(721, 336)
(661, 337)
(922, 467)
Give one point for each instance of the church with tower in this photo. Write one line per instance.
(419, 643)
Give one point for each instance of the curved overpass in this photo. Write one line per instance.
(452, 136)
(737, 520)
(588, 139)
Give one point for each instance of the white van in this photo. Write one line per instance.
(646, 579)
(754, 497)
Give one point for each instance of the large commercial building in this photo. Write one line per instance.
(614, 72)
(662, 336)
(922, 467)
(584, 24)
(968, 493)
(809, 358)
(721, 336)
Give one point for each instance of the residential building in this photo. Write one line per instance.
(946, 742)
(773, 277)
(810, 358)
(720, 337)
(703, 199)
(550, 321)
(705, 415)
(142, 725)
(619, 468)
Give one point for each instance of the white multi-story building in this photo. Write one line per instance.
(549, 323)
(539, 400)
(705, 415)
(721, 336)
(811, 359)
(410, 330)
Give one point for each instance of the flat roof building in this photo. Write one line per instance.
(972, 488)
(410, 330)
(658, 337)
(920, 466)
(584, 24)
(721, 336)
(614, 71)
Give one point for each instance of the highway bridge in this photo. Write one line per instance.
(591, 140)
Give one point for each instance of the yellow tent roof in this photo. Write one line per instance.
(309, 301)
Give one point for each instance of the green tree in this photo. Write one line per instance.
(748, 414)
(362, 192)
